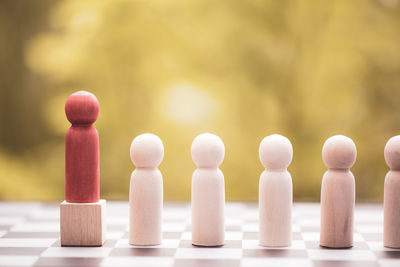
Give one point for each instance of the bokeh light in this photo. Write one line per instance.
(239, 69)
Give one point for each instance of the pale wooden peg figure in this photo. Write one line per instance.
(391, 203)
(275, 192)
(208, 191)
(146, 191)
(338, 193)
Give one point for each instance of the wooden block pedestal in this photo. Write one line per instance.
(83, 224)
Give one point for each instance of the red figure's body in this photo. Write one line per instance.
(82, 171)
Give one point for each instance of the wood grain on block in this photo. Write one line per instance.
(146, 191)
(83, 224)
(338, 193)
(391, 229)
(208, 191)
(275, 192)
(82, 170)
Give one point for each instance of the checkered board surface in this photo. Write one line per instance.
(29, 236)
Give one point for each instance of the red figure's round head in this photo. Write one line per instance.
(82, 108)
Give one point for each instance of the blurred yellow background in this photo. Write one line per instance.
(239, 69)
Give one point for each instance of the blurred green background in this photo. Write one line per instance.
(239, 69)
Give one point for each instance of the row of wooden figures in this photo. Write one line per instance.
(275, 192)
(82, 214)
